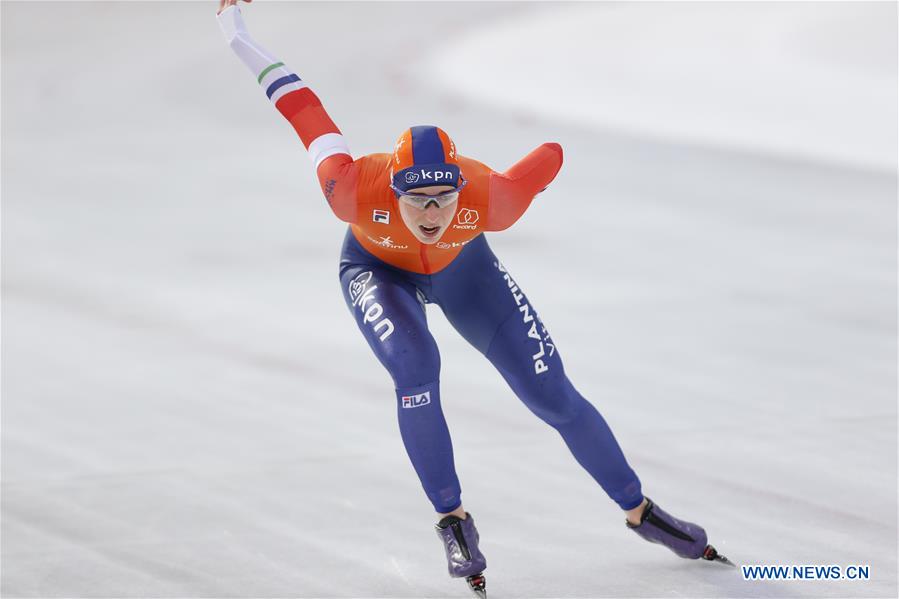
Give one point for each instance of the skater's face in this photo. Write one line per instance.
(429, 219)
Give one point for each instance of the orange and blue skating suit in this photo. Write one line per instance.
(387, 276)
(359, 193)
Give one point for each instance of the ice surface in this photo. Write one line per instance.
(817, 79)
(189, 411)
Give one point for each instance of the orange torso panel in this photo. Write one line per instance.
(379, 228)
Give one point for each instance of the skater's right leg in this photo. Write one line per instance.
(386, 307)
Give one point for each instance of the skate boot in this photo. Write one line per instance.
(686, 539)
(464, 559)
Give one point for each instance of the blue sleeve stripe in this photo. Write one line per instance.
(280, 83)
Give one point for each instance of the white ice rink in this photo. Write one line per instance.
(188, 409)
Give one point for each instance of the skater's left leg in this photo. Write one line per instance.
(491, 312)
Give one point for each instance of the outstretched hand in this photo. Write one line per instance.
(223, 4)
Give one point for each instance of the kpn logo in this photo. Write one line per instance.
(429, 174)
(416, 401)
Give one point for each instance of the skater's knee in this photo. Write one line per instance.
(414, 365)
(558, 410)
(555, 404)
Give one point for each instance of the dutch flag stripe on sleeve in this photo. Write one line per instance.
(282, 86)
(268, 70)
(290, 95)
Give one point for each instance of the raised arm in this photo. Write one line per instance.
(511, 192)
(326, 145)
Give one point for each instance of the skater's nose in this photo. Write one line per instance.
(432, 213)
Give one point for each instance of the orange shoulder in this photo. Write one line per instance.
(477, 174)
(346, 182)
(374, 176)
(474, 170)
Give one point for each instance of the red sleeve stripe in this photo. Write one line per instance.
(305, 112)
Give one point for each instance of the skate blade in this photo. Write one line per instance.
(478, 585)
(712, 555)
(724, 560)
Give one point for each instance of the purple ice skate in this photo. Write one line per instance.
(686, 539)
(464, 559)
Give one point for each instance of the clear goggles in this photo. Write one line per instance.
(422, 201)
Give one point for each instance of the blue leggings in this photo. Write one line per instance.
(482, 301)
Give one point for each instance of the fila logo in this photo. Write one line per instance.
(416, 401)
(467, 219)
(381, 216)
